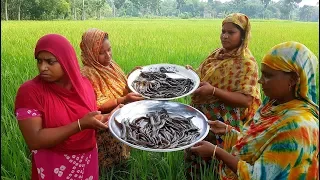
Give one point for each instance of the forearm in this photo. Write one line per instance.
(233, 99)
(50, 137)
(108, 106)
(228, 159)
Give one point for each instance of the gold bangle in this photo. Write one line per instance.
(79, 125)
(227, 127)
(214, 90)
(214, 152)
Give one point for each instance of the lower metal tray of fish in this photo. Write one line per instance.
(144, 108)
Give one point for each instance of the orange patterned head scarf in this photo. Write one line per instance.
(109, 82)
(90, 46)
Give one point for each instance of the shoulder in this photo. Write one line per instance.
(30, 85)
(87, 83)
(89, 72)
(249, 61)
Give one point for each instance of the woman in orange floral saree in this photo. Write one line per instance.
(110, 85)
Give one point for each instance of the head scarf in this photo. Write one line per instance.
(60, 106)
(297, 119)
(296, 57)
(244, 23)
(236, 71)
(109, 82)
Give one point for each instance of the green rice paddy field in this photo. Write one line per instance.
(134, 42)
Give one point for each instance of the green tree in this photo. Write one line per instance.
(287, 7)
(308, 13)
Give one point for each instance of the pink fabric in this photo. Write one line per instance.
(59, 106)
(82, 166)
(25, 113)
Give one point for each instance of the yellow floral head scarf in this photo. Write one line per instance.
(236, 71)
(109, 82)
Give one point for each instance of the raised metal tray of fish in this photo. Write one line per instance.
(163, 81)
(150, 132)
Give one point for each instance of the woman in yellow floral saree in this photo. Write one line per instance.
(229, 90)
(110, 85)
(282, 140)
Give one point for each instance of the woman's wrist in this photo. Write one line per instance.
(213, 91)
(80, 125)
(214, 152)
(228, 129)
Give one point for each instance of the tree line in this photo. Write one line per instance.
(99, 9)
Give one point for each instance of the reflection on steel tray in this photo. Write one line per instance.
(138, 109)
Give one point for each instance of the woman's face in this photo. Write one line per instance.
(230, 36)
(276, 84)
(105, 53)
(49, 68)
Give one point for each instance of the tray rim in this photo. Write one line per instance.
(196, 85)
(158, 150)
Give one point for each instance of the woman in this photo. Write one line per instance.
(229, 90)
(57, 114)
(110, 86)
(282, 140)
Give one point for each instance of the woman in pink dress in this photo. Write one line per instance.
(57, 114)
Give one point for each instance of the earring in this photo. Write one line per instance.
(289, 87)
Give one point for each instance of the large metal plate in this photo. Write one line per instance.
(180, 72)
(141, 108)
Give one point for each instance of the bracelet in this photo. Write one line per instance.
(227, 127)
(214, 90)
(214, 152)
(79, 125)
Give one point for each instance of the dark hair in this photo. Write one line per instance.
(242, 32)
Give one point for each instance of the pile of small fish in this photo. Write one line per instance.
(158, 130)
(159, 85)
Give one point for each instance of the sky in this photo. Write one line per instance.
(303, 2)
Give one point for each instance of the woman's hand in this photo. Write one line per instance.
(105, 118)
(96, 120)
(135, 68)
(217, 127)
(189, 67)
(204, 89)
(131, 97)
(203, 149)
(92, 120)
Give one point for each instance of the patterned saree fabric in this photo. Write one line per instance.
(282, 142)
(236, 71)
(109, 81)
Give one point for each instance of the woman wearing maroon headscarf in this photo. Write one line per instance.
(57, 114)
